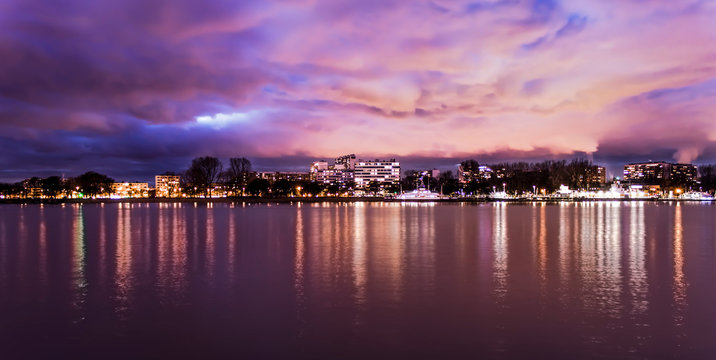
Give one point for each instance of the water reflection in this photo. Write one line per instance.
(680, 283)
(123, 258)
(637, 279)
(500, 249)
(498, 278)
(79, 262)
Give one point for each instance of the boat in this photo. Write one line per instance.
(420, 193)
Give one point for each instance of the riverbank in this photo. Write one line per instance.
(261, 200)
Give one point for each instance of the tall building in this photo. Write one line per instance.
(335, 174)
(340, 172)
(167, 186)
(597, 176)
(683, 175)
(382, 171)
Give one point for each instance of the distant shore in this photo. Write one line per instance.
(262, 200)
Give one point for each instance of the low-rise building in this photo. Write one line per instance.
(273, 176)
(130, 190)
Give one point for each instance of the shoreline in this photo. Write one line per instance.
(260, 200)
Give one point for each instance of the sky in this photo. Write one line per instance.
(133, 88)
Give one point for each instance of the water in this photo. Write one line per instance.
(359, 280)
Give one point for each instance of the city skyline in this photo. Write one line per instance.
(138, 88)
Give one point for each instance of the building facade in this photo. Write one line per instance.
(130, 190)
(662, 173)
(382, 171)
(167, 186)
(273, 176)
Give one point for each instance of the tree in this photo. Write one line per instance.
(281, 187)
(258, 187)
(312, 188)
(91, 184)
(237, 176)
(374, 187)
(708, 177)
(51, 186)
(203, 173)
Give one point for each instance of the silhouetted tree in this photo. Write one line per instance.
(258, 187)
(238, 174)
(91, 184)
(203, 173)
(281, 187)
(52, 186)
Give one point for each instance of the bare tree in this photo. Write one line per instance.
(237, 176)
(203, 173)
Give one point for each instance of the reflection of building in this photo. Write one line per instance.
(381, 171)
(167, 186)
(338, 173)
(273, 176)
(130, 190)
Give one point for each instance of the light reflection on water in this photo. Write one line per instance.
(593, 279)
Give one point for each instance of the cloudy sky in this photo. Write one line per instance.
(135, 87)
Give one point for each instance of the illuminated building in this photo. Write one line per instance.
(130, 190)
(273, 176)
(426, 177)
(338, 173)
(684, 175)
(646, 173)
(167, 186)
(482, 173)
(381, 171)
(661, 173)
(597, 176)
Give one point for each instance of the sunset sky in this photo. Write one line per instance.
(137, 87)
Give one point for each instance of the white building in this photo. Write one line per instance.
(381, 171)
(167, 186)
(130, 190)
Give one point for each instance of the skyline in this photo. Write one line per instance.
(144, 86)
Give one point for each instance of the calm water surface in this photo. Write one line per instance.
(361, 280)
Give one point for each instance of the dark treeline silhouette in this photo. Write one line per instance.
(88, 184)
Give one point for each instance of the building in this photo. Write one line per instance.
(653, 173)
(481, 173)
(340, 172)
(130, 190)
(167, 186)
(382, 171)
(426, 177)
(597, 176)
(661, 173)
(334, 174)
(348, 161)
(273, 176)
(683, 175)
